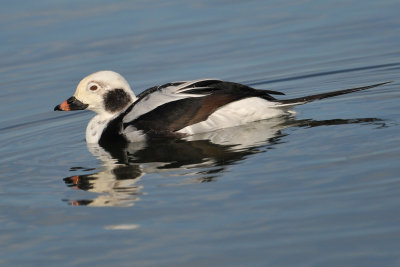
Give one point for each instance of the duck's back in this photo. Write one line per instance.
(182, 108)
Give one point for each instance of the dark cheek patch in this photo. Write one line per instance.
(116, 100)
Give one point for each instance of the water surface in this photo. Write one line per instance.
(320, 187)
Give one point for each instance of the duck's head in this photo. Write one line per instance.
(104, 92)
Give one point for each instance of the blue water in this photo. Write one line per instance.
(319, 188)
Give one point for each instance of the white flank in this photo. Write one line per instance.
(133, 134)
(236, 113)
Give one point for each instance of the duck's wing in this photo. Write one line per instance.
(159, 95)
(173, 106)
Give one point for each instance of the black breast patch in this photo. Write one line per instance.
(116, 100)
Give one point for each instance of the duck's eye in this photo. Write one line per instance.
(93, 87)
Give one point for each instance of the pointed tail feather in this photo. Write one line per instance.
(310, 98)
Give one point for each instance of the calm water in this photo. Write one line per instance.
(320, 188)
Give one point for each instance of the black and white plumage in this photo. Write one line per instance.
(174, 109)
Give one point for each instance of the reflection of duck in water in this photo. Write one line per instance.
(124, 164)
(177, 109)
(201, 157)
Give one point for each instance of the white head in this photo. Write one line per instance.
(104, 92)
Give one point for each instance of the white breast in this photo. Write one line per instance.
(236, 113)
(95, 128)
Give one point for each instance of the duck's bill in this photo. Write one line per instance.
(71, 104)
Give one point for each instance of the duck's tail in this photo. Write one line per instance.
(310, 98)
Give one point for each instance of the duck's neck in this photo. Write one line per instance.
(96, 127)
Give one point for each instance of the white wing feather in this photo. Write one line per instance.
(162, 96)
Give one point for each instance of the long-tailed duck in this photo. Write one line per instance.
(174, 109)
